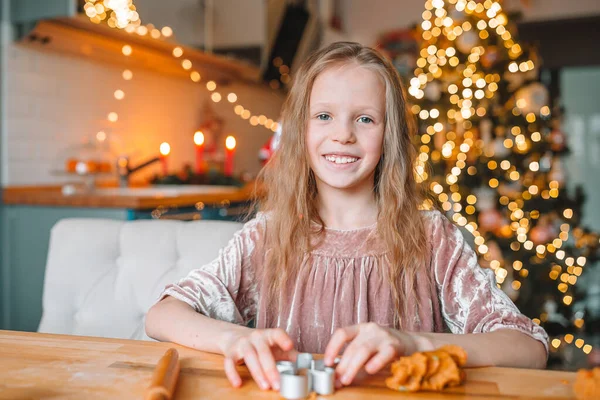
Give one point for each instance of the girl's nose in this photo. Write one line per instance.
(343, 133)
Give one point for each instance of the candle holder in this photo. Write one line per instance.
(187, 176)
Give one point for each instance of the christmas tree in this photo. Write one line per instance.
(490, 146)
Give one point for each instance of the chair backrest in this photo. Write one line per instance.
(102, 275)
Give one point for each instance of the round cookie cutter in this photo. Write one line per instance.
(306, 375)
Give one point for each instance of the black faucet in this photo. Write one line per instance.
(124, 170)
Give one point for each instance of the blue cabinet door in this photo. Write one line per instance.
(34, 10)
(25, 236)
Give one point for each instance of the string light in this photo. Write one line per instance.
(119, 94)
(117, 13)
(123, 15)
(177, 52)
(230, 142)
(567, 340)
(165, 148)
(195, 76)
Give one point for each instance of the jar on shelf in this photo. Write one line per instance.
(95, 157)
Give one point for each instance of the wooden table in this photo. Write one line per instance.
(34, 366)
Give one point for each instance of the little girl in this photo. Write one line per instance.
(340, 257)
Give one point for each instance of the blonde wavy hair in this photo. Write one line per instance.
(290, 191)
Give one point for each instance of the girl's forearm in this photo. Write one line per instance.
(501, 348)
(174, 321)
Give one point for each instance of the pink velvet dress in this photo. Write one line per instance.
(342, 282)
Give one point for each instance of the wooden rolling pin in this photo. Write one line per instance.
(165, 377)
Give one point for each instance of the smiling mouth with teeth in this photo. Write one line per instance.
(341, 159)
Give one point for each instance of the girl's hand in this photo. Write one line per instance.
(258, 349)
(371, 346)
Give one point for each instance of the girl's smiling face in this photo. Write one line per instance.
(346, 126)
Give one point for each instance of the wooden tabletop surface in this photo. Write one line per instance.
(39, 366)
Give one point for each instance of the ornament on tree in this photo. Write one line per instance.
(491, 220)
(439, 138)
(499, 130)
(531, 98)
(494, 251)
(546, 162)
(433, 91)
(457, 16)
(558, 141)
(505, 231)
(515, 80)
(558, 172)
(543, 232)
(485, 130)
(588, 239)
(401, 47)
(486, 198)
(500, 150)
(467, 40)
(528, 177)
(405, 63)
(510, 189)
(490, 57)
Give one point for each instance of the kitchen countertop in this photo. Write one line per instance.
(129, 198)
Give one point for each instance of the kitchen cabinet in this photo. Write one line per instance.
(30, 11)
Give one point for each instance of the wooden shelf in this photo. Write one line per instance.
(80, 37)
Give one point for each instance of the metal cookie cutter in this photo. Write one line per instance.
(300, 378)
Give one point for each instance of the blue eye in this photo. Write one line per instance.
(366, 120)
(323, 117)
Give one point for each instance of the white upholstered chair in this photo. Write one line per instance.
(102, 275)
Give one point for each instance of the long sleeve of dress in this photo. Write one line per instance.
(226, 288)
(470, 301)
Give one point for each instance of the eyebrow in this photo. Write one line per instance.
(326, 104)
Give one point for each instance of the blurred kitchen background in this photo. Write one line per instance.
(151, 109)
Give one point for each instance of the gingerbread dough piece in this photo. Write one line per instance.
(587, 384)
(408, 372)
(433, 365)
(447, 374)
(457, 353)
(432, 370)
